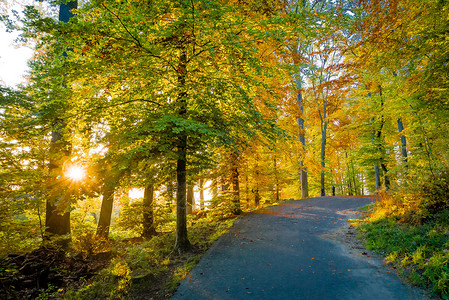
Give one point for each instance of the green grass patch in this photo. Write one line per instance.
(367, 208)
(419, 251)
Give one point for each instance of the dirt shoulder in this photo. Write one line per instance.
(352, 246)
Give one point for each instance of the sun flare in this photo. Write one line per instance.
(75, 173)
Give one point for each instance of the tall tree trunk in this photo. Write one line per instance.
(256, 190)
(323, 146)
(149, 229)
(247, 187)
(236, 209)
(182, 243)
(377, 177)
(201, 184)
(380, 144)
(104, 222)
(403, 145)
(190, 199)
(256, 197)
(57, 218)
(350, 175)
(276, 178)
(302, 139)
(376, 166)
(214, 188)
(386, 177)
(170, 198)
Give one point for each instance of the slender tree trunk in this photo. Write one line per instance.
(276, 178)
(201, 184)
(350, 175)
(380, 145)
(247, 187)
(377, 177)
(302, 139)
(256, 197)
(182, 243)
(386, 177)
(323, 148)
(323, 164)
(170, 198)
(362, 184)
(104, 222)
(149, 229)
(190, 199)
(403, 145)
(214, 188)
(236, 209)
(376, 167)
(256, 189)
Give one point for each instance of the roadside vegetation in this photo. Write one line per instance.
(126, 266)
(149, 269)
(411, 229)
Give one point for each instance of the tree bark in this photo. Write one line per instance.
(323, 145)
(201, 185)
(403, 144)
(104, 222)
(190, 199)
(148, 215)
(236, 209)
(377, 177)
(256, 190)
(214, 188)
(302, 139)
(170, 197)
(256, 197)
(276, 178)
(380, 145)
(182, 243)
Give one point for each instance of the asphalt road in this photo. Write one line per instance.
(280, 253)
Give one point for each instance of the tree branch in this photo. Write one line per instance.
(135, 39)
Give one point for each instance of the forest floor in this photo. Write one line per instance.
(26, 276)
(299, 249)
(130, 268)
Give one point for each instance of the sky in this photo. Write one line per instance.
(13, 59)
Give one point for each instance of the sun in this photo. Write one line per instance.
(76, 173)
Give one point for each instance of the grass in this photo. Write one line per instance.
(149, 269)
(418, 246)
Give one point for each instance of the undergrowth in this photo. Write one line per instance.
(412, 231)
(148, 269)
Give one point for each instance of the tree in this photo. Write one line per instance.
(204, 64)
(397, 46)
(57, 220)
(190, 199)
(110, 182)
(149, 229)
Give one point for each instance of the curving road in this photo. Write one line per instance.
(280, 253)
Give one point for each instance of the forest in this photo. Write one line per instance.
(145, 127)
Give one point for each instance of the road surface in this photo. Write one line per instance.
(281, 252)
